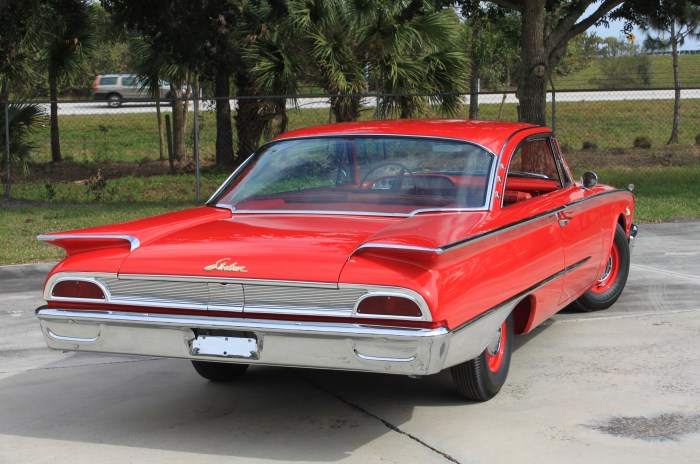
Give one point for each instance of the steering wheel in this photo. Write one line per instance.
(399, 176)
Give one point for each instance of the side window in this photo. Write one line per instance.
(535, 158)
(108, 81)
(532, 172)
(128, 81)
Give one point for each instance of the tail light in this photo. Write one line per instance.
(79, 289)
(389, 305)
(97, 82)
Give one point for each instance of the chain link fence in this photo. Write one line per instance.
(595, 128)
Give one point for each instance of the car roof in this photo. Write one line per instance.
(491, 134)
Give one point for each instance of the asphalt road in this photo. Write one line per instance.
(619, 386)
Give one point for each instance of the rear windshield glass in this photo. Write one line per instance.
(384, 175)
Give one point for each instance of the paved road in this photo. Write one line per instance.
(620, 386)
(100, 107)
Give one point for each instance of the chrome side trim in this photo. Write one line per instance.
(133, 241)
(388, 246)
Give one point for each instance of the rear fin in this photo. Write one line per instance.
(79, 243)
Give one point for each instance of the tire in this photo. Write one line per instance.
(114, 100)
(609, 287)
(219, 372)
(481, 378)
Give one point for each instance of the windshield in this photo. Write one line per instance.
(375, 175)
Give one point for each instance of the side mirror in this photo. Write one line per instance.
(589, 179)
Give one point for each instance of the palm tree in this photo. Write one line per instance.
(152, 69)
(396, 47)
(22, 119)
(67, 34)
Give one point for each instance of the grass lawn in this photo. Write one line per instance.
(660, 73)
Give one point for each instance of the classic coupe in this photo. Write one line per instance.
(401, 247)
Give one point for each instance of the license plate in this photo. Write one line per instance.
(225, 347)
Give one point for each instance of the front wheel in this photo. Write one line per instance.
(482, 377)
(609, 286)
(219, 372)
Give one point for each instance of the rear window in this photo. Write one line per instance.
(108, 81)
(370, 174)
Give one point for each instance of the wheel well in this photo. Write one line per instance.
(114, 93)
(522, 314)
(622, 222)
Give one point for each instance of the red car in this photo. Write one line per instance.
(404, 247)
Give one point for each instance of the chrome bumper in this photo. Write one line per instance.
(356, 347)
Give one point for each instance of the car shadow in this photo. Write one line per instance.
(269, 413)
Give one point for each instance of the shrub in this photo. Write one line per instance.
(642, 142)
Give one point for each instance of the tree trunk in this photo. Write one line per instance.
(224, 129)
(179, 121)
(345, 109)
(533, 72)
(159, 118)
(55, 138)
(279, 121)
(249, 127)
(677, 88)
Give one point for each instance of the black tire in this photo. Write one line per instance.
(481, 378)
(219, 372)
(114, 100)
(609, 288)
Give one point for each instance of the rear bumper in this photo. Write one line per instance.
(355, 347)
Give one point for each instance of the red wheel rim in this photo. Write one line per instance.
(610, 274)
(495, 350)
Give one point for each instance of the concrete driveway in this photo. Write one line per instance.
(617, 386)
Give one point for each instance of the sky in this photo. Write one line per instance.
(615, 30)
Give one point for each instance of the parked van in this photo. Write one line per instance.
(118, 87)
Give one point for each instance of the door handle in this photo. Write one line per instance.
(564, 217)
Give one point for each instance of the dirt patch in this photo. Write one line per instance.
(71, 172)
(654, 157)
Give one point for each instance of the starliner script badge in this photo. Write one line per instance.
(224, 265)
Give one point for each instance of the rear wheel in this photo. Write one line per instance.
(114, 100)
(609, 286)
(219, 372)
(482, 377)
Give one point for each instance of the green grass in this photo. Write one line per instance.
(21, 224)
(660, 194)
(122, 137)
(661, 73)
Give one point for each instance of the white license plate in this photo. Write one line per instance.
(225, 347)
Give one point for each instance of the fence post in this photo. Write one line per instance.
(7, 149)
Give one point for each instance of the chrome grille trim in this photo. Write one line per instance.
(237, 295)
(291, 300)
